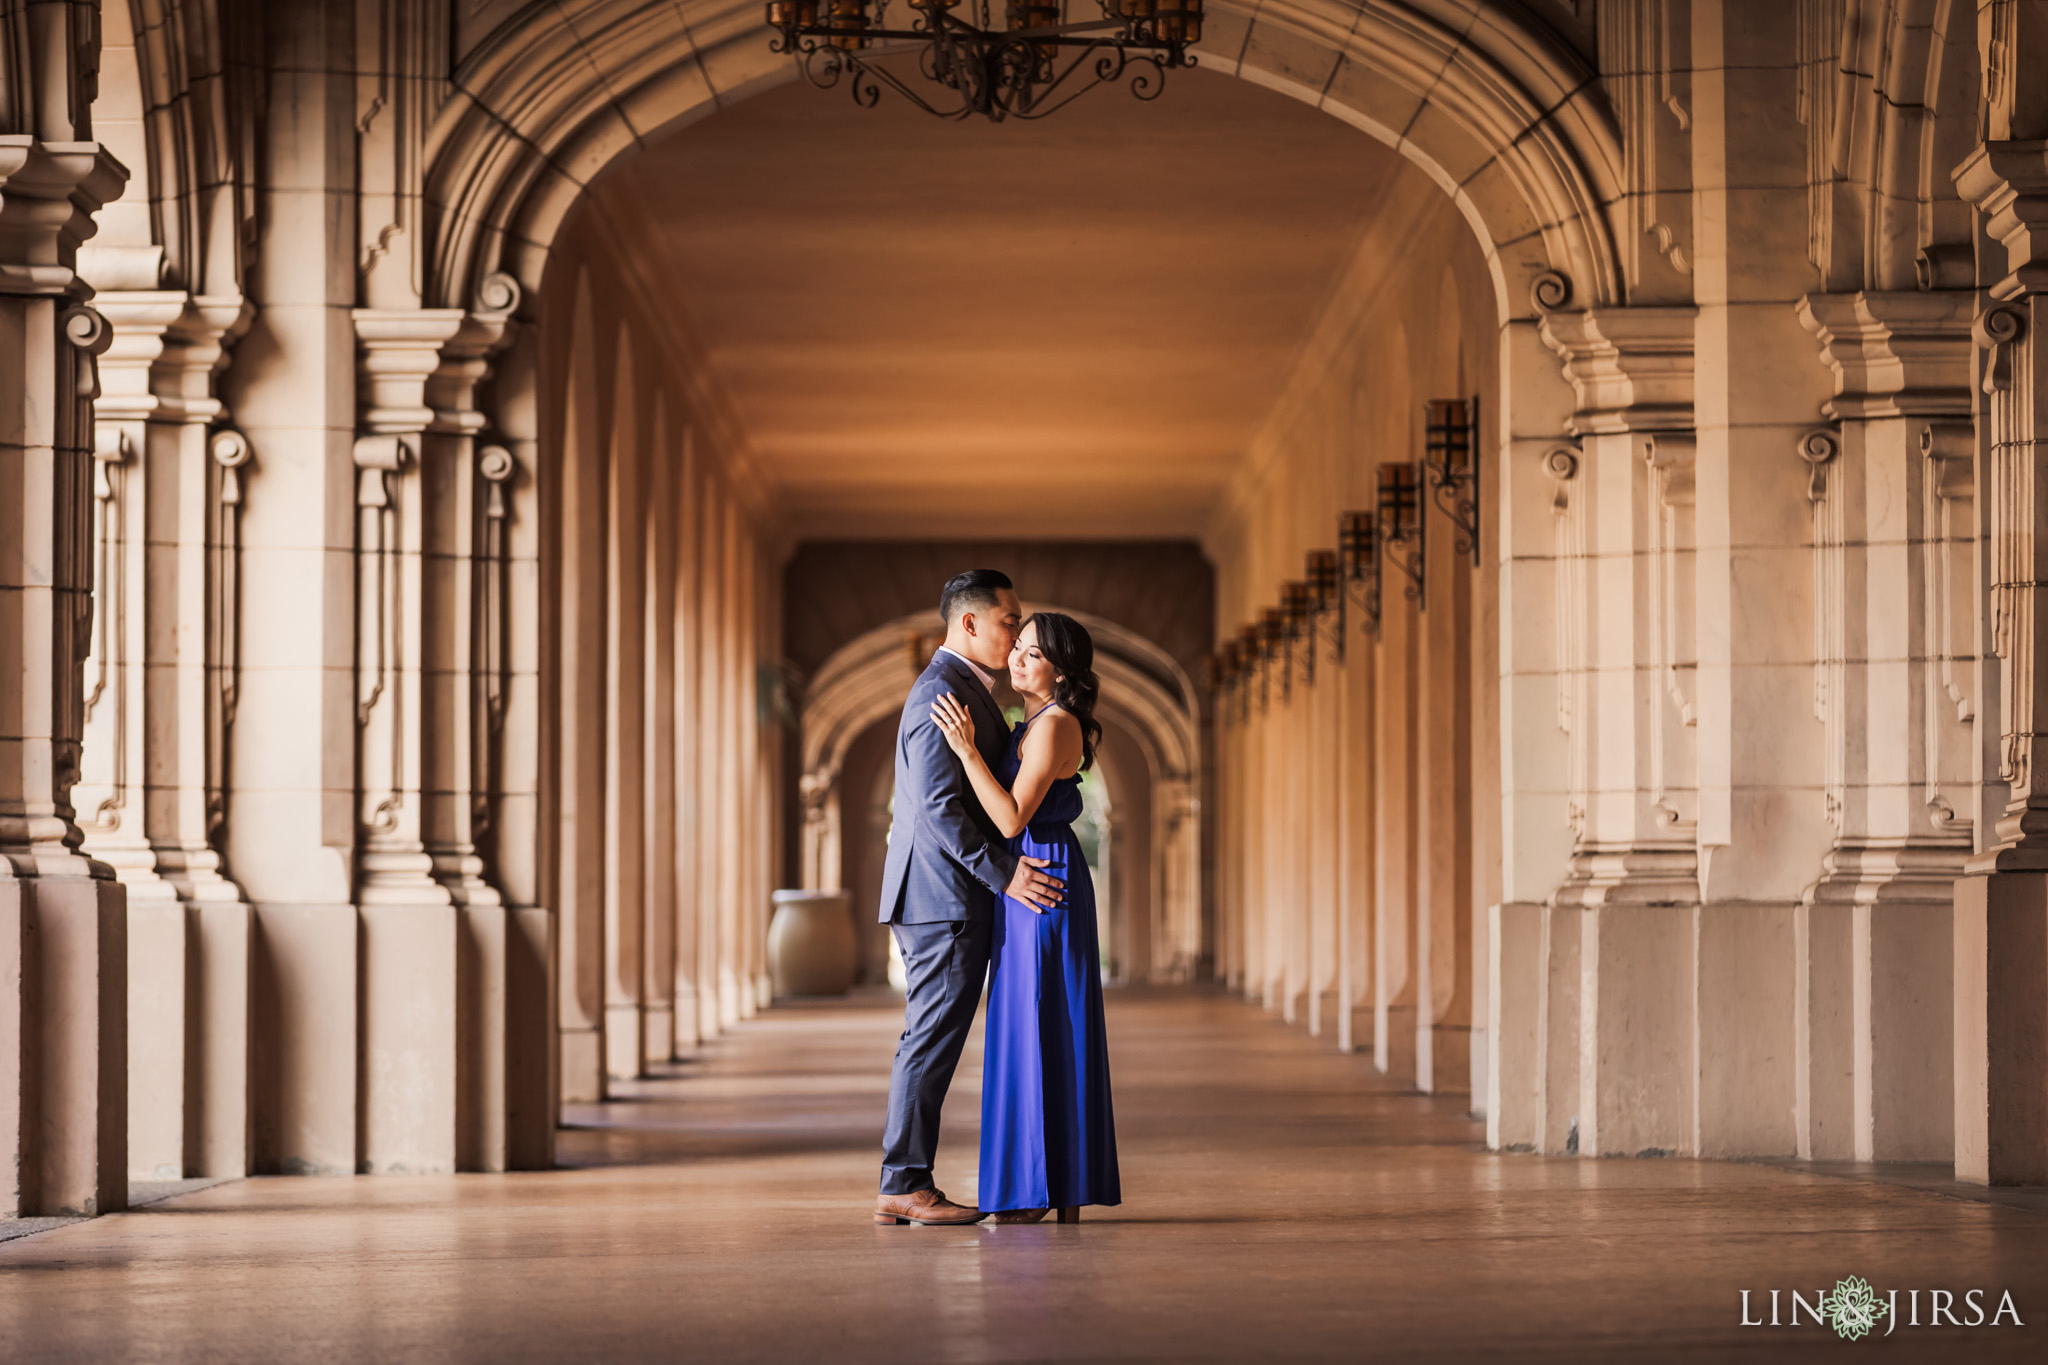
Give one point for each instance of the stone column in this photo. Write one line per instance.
(1538, 520)
(1357, 821)
(1894, 687)
(1324, 759)
(469, 488)
(708, 526)
(687, 517)
(63, 933)
(658, 961)
(161, 695)
(2001, 910)
(1395, 838)
(625, 830)
(1624, 916)
(1444, 773)
(434, 930)
(1294, 908)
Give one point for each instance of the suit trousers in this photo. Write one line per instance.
(944, 965)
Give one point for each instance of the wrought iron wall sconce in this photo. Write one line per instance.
(1298, 609)
(1358, 554)
(1250, 655)
(1272, 640)
(1450, 459)
(1326, 604)
(1216, 671)
(1402, 525)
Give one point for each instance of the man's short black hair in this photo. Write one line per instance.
(974, 590)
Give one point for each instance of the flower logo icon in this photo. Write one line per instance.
(1853, 1308)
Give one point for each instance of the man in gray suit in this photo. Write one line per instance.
(946, 869)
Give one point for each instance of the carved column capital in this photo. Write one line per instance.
(49, 192)
(2008, 182)
(1631, 369)
(168, 349)
(1894, 354)
(398, 350)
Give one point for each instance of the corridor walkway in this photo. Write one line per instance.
(1283, 1204)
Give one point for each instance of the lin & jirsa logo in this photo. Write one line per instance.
(1854, 1309)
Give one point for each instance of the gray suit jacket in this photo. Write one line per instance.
(947, 860)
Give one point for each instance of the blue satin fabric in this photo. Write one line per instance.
(1048, 1139)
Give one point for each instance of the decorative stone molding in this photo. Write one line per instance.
(538, 119)
(1999, 330)
(1893, 354)
(1671, 459)
(496, 468)
(2008, 182)
(1549, 291)
(1631, 369)
(1949, 584)
(230, 452)
(1647, 51)
(1817, 450)
(1569, 568)
(49, 192)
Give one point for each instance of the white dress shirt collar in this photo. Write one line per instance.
(987, 678)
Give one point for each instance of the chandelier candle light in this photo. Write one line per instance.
(1027, 68)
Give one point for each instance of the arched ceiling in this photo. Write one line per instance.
(907, 314)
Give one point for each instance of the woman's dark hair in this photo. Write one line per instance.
(1070, 650)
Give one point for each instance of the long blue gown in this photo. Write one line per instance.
(1048, 1139)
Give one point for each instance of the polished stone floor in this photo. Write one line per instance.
(1283, 1203)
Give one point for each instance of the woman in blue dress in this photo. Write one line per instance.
(1047, 1136)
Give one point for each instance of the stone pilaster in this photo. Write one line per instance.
(1626, 909)
(63, 940)
(161, 689)
(2001, 912)
(436, 933)
(1895, 692)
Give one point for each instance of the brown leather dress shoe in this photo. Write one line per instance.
(926, 1208)
(1018, 1216)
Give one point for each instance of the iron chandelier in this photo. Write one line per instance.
(1031, 66)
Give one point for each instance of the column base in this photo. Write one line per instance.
(1514, 995)
(188, 1040)
(2000, 936)
(1393, 1042)
(1637, 1006)
(1875, 1005)
(661, 1033)
(412, 990)
(1742, 1053)
(1354, 1029)
(1559, 1017)
(687, 1012)
(1322, 1013)
(625, 1042)
(1443, 1056)
(582, 1063)
(63, 1047)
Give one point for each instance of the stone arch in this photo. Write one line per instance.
(1887, 124)
(1509, 123)
(1145, 695)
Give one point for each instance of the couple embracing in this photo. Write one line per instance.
(984, 877)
